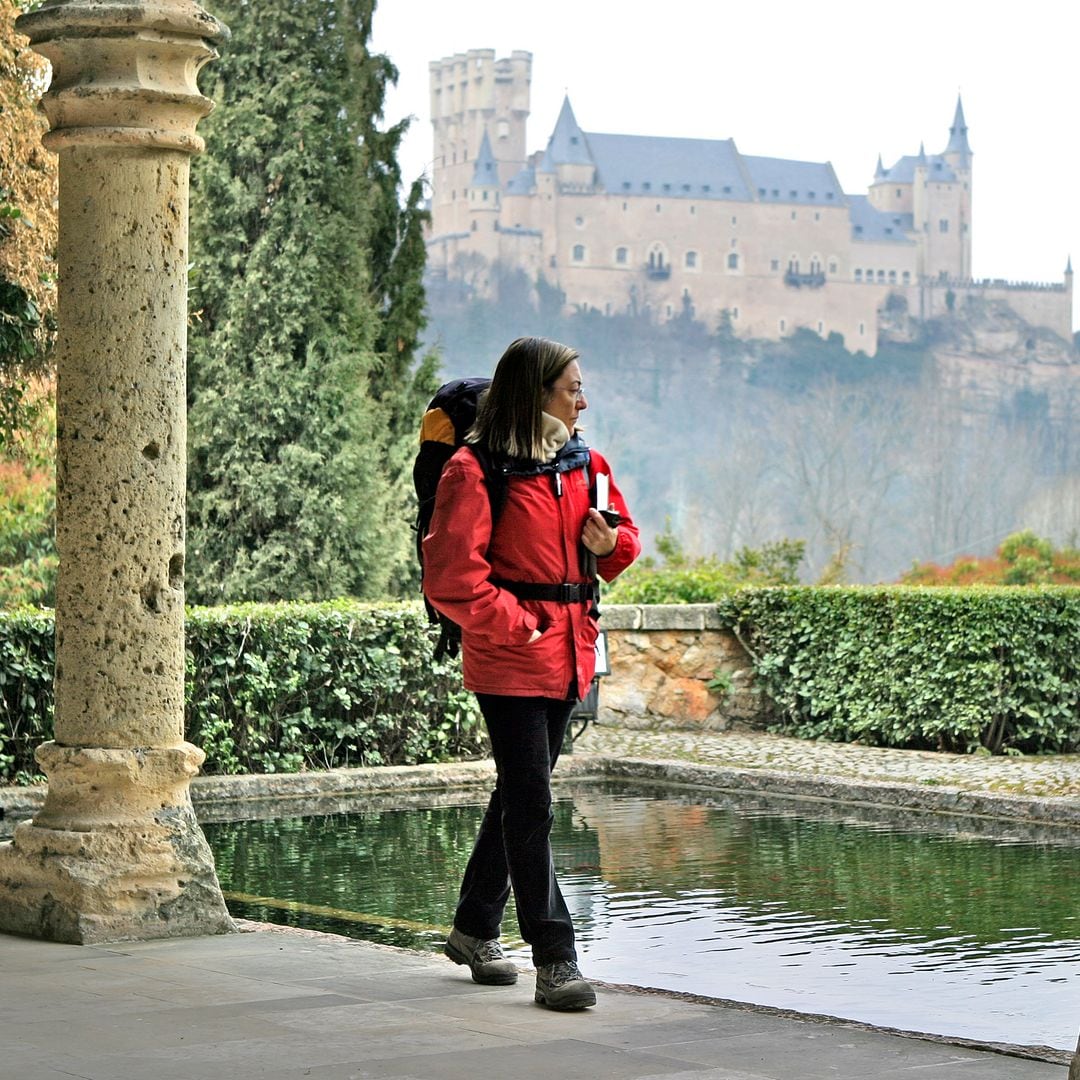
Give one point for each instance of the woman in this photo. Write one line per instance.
(523, 592)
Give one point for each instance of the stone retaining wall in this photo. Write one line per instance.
(663, 659)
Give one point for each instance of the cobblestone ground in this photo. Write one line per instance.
(1052, 775)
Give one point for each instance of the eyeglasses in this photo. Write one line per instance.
(577, 391)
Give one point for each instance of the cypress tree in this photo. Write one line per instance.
(306, 309)
(27, 228)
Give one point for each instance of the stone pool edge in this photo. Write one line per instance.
(225, 791)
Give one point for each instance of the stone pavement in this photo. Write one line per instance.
(1053, 776)
(279, 1004)
(288, 1005)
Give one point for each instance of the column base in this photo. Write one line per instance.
(115, 854)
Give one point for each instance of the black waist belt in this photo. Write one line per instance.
(568, 592)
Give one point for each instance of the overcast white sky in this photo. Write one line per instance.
(835, 80)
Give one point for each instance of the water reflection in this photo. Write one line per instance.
(957, 934)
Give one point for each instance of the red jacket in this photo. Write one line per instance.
(537, 538)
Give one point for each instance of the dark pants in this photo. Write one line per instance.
(513, 846)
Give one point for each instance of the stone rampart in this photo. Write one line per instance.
(676, 666)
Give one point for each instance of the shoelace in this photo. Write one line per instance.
(563, 972)
(487, 951)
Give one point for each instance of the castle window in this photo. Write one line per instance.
(794, 194)
(621, 255)
(820, 327)
(907, 277)
(646, 186)
(881, 276)
(862, 328)
(828, 194)
(761, 192)
(658, 208)
(734, 242)
(691, 260)
(817, 216)
(579, 221)
(832, 268)
(502, 129)
(693, 209)
(858, 230)
(733, 261)
(943, 225)
(899, 193)
(669, 311)
(783, 325)
(625, 187)
(579, 253)
(485, 196)
(892, 277)
(573, 140)
(734, 220)
(624, 205)
(776, 193)
(667, 187)
(774, 264)
(888, 230)
(794, 214)
(706, 187)
(858, 275)
(734, 313)
(686, 187)
(811, 195)
(474, 226)
(727, 189)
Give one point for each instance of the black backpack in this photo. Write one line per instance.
(450, 414)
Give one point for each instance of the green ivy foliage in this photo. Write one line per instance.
(991, 670)
(275, 688)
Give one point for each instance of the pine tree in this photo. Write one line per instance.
(27, 227)
(304, 266)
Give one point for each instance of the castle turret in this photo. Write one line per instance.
(567, 154)
(958, 152)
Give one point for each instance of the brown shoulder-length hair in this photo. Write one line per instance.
(509, 419)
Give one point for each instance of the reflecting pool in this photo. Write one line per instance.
(922, 925)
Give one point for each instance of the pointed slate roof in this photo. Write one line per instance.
(879, 172)
(903, 172)
(958, 141)
(486, 169)
(567, 145)
(876, 226)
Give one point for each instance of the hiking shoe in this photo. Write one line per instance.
(484, 959)
(561, 986)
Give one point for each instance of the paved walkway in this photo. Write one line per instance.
(294, 1006)
(277, 1004)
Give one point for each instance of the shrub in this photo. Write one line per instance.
(1022, 559)
(991, 669)
(275, 688)
(682, 579)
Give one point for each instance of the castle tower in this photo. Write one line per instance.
(958, 155)
(484, 202)
(474, 95)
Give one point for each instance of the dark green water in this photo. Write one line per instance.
(915, 926)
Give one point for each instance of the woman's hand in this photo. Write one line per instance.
(597, 536)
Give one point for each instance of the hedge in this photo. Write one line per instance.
(964, 670)
(285, 687)
(275, 688)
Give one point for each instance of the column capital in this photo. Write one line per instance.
(124, 74)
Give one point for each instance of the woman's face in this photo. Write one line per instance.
(566, 399)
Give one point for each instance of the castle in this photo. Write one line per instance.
(661, 226)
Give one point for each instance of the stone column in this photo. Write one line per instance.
(116, 852)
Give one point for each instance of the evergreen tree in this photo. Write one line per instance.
(27, 227)
(307, 307)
